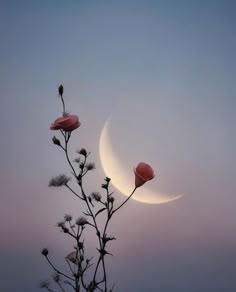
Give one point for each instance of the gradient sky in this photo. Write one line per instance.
(165, 73)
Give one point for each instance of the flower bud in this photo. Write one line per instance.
(111, 199)
(68, 218)
(65, 230)
(143, 173)
(56, 141)
(44, 252)
(96, 196)
(60, 90)
(82, 151)
(81, 221)
(90, 166)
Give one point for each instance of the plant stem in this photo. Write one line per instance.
(56, 270)
(61, 287)
(63, 104)
(124, 201)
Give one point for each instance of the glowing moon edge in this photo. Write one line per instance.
(113, 168)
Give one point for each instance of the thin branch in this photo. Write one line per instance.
(68, 283)
(56, 270)
(73, 192)
(62, 289)
(68, 262)
(124, 201)
(72, 228)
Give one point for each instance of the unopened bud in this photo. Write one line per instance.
(44, 252)
(60, 90)
(111, 199)
(82, 151)
(56, 141)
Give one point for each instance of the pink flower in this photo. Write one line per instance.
(71, 257)
(143, 172)
(67, 123)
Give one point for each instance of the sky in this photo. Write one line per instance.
(164, 73)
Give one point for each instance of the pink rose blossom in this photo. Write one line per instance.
(143, 172)
(67, 123)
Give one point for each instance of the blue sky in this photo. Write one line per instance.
(165, 73)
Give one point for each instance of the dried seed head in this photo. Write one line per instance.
(96, 196)
(68, 218)
(81, 221)
(61, 224)
(58, 181)
(90, 166)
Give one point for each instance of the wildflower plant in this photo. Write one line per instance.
(85, 273)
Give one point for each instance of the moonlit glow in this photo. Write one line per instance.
(121, 178)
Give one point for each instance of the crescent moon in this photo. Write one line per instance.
(122, 180)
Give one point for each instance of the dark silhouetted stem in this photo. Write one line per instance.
(124, 201)
(59, 272)
(73, 192)
(63, 104)
(63, 290)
